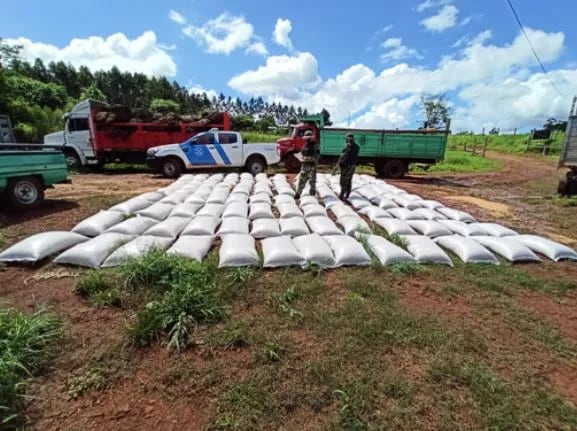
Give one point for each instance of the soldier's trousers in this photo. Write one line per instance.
(308, 174)
(347, 173)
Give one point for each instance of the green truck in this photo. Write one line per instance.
(26, 171)
(389, 151)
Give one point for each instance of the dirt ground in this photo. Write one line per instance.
(519, 196)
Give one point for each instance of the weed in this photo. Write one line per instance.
(234, 335)
(102, 287)
(92, 379)
(241, 275)
(272, 351)
(405, 268)
(349, 418)
(25, 346)
(283, 302)
(459, 161)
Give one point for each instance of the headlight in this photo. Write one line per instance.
(152, 151)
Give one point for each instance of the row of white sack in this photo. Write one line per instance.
(109, 249)
(264, 225)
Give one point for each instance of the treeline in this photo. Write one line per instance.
(36, 95)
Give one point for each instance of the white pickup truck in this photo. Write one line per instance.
(213, 149)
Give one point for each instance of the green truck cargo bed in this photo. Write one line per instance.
(411, 145)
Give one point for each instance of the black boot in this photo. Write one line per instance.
(297, 196)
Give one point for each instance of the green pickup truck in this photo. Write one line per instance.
(26, 171)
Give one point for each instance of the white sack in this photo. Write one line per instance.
(430, 228)
(424, 250)
(464, 229)
(185, 210)
(41, 245)
(233, 225)
(495, 229)
(192, 247)
(404, 214)
(430, 204)
(175, 198)
(286, 191)
(151, 196)
(341, 210)
(386, 203)
(196, 199)
(218, 196)
(260, 210)
(294, 227)
(428, 214)
(315, 250)
(214, 210)
(314, 210)
(235, 209)
(280, 251)
(284, 199)
(467, 249)
(260, 198)
(289, 211)
(354, 224)
(169, 228)
(395, 227)
(265, 228)
(385, 251)
(308, 200)
(510, 249)
(238, 250)
(553, 250)
(98, 223)
(132, 226)
(236, 197)
(323, 226)
(157, 211)
(131, 205)
(138, 247)
(92, 253)
(458, 215)
(261, 187)
(407, 202)
(347, 251)
(202, 225)
(359, 203)
(374, 213)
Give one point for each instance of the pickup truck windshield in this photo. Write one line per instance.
(204, 139)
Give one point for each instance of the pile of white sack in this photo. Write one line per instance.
(239, 211)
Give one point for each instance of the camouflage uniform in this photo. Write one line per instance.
(310, 161)
(347, 164)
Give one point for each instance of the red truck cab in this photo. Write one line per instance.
(295, 142)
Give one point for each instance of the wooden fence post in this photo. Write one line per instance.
(485, 146)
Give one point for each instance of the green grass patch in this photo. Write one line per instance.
(175, 295)
(260, 138)
(506, 143)
(460, 161)
(25, 346)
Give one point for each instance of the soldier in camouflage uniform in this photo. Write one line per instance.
(347, 164)
(310, 160)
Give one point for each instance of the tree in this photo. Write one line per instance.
(164, 106)
(494, 131)
(92, 92)
(437, 111)
(553, 124)
(242, 122)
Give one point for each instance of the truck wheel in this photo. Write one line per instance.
(171, 167)
(72, 159)
(394, 169)
(255, 165)
(563, 187)
(292, 164)
(24, 192)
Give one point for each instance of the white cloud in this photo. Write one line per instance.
(480, 76)
(482, 37)
(428, 4)
(394, 113)
(199, 89)
(397, 51)
(281, 32)
(281, 76)
(443, 20)
(221, 35)
(258, 48)
(143, 54)
(177, 17)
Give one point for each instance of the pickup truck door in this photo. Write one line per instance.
(199, 150)
(229, 149)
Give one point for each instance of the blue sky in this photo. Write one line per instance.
(370, 61)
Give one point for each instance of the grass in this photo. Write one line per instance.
(260, 138)
(506, 143)
(459, 161)
(172, 294)
(26, 344)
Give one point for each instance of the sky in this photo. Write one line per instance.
(368, 62)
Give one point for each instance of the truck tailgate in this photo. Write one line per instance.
(569, 152)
